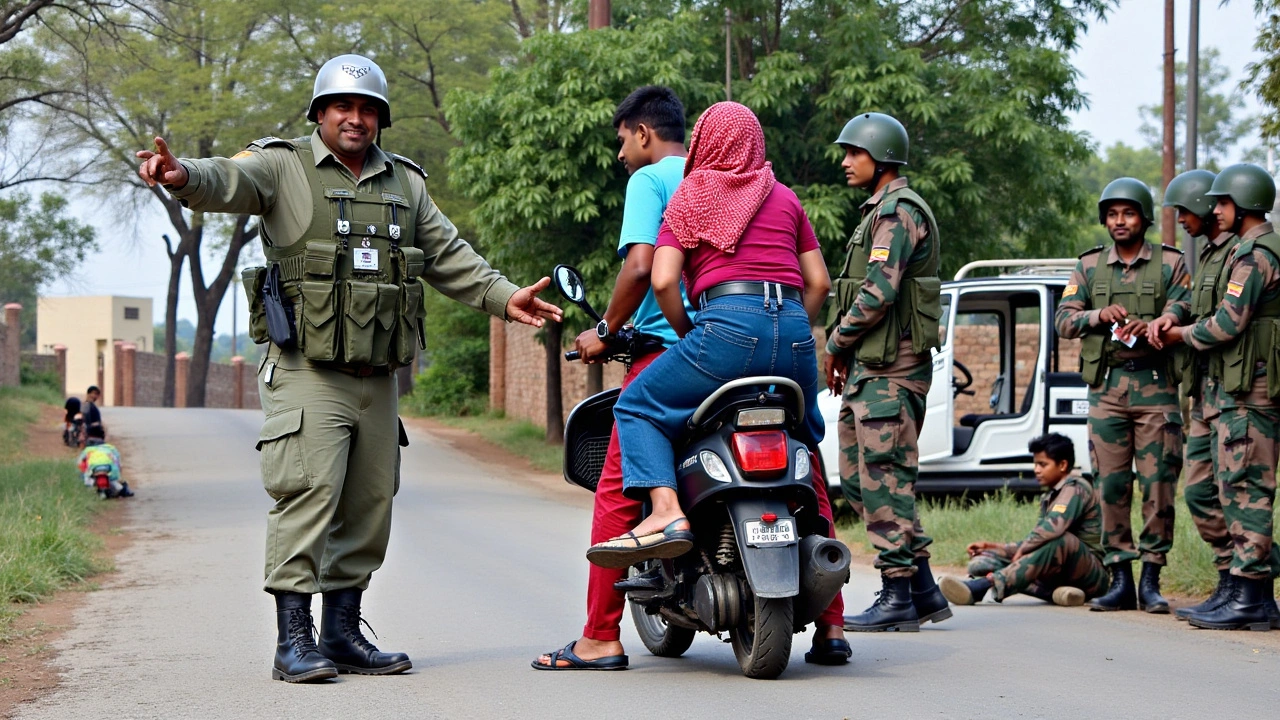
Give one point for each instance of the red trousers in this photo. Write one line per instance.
(615, 514)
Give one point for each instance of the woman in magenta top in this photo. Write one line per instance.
(756, 274)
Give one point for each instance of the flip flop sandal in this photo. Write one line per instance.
(613, 662)
(625, 551)
(829, 652)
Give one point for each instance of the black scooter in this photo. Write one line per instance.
(762, 567)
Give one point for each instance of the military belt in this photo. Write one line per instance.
(360, 371)
(759, 289)
(1134, 364)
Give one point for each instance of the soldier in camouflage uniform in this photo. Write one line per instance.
(1061, 559)
(1134, 416)
(879, 356)
(1241, 341)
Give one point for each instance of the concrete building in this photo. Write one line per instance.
(89, 328)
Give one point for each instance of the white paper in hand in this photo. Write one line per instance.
(1133, 339)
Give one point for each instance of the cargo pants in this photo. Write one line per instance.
(1247, 449)
(1200, 488)
(1135, 423)
(330, 452)
(1061, 562)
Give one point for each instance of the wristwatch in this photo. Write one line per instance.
(602, 329)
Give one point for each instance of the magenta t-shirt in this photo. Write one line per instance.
(768, 251)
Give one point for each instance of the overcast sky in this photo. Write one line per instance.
(1119, 60)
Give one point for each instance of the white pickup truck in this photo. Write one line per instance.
(1001, 378)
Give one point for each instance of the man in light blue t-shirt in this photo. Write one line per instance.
(651, 128)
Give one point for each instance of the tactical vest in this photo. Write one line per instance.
(1235, 363)
(918, 307)
(1143, 299)
(1204, 301)
(353, 275)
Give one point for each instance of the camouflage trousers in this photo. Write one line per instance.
(1200, 489)
(879, 462)
(1248, 448)
(1135, 422)
(1061, 562)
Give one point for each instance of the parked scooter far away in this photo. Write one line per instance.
(761, 568)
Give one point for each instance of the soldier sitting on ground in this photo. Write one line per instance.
(1060, 561)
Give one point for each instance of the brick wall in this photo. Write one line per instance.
(5, 361)
(977, 347)
(525, 377)
(40, 363)
(148, 383)
(10, 356)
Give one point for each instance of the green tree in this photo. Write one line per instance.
(1220, 126)
(39, 244)
(1263, 77)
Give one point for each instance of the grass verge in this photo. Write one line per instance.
(519, 437)
(953, 523)
(45, 543)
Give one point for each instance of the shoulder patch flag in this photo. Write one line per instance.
(1234, 289)
(1070, 290)
(1059, 508)
(879, 254)
(241, 154)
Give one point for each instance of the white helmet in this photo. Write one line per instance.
(351, 75)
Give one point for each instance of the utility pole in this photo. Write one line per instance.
(728, 54)
(599, 17)
(1193, 111)
(599, 14)
(1167, 217)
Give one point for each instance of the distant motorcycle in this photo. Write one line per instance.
(762, 567)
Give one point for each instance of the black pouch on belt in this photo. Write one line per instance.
(279, 311)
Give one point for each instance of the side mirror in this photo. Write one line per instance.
(571, 285)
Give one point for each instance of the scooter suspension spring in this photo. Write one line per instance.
(727, 550)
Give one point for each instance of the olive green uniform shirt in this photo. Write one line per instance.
(271, 183)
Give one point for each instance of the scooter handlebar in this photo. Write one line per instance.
(572, 355)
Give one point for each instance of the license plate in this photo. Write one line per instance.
(781, 531)
(1079, 407)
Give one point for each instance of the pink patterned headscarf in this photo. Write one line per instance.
(726, 179)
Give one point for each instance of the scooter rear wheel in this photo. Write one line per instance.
(762, 642)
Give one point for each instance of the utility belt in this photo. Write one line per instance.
(339, 318)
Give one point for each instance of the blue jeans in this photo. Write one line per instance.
(734, 336)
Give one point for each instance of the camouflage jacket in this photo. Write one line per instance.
(1076, 315)
(1254, 277)
(1068, 507)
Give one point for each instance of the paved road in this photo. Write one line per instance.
(485, 571)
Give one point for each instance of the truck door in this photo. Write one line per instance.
(936, 437)
(1066, 409)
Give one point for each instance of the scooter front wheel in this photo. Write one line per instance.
(762, 641)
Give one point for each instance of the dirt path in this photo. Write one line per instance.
(27, 660)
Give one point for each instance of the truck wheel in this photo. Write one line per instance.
(662, 638)
(762, 642)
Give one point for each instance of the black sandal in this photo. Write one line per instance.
(613, 662)
(629, 549)
(829, 652)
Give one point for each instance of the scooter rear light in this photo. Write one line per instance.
(760, 453)
(101, 482)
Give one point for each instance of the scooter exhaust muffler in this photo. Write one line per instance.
(824, 569)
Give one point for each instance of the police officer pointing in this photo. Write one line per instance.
(348, 231)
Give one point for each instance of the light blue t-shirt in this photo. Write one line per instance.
(648, 192)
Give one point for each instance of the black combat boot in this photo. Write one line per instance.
(931, 604)
(1216, 598)
(1245, 610)
(1273, 611)
(964, 592)
(297, 659)
(1121, 595)
(892, 609)
(342, 642)
(1149, 597)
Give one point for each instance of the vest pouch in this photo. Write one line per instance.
(1092, 368)
(926, 303)
(408, 335)
(1237, 364)
(320, 259)
(879, 346)
(319, 326)
(253, 279)
(1270, 354)
(385, 321)
(1147, 303)
(359, 307)
(415, 262)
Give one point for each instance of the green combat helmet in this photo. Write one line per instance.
(1127, 189)
(882, 136)
(1190, 191)
(1249, 187)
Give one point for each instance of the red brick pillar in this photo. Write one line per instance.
(237, 364)
(11, 364)
(497, 364)
(117, 385)
(180, 363)
(60, 361)
(128, 373)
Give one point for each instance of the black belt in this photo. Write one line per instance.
(759, 289)
(356, 370)
(1135, 364)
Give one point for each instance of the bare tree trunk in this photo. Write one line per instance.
(171, 317)
(198, 371)
(595, 379)
(208, 299)
(555, 406)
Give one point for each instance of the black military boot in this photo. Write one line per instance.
(892, 609)
(297, 659)
(1149, 597)
(1216, 598)
(1245, 610)
(1121, 595)
(931, 604)
(342, 642)
(964, 592)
